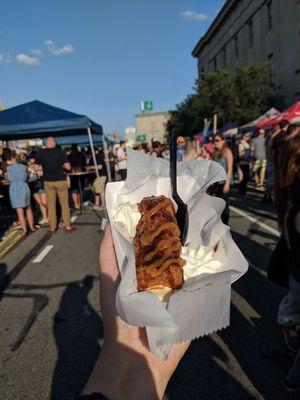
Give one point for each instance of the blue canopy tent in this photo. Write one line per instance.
(227, 127)
(82, 141)
(39, 120)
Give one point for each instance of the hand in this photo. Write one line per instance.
(226, 187)
(126, 369)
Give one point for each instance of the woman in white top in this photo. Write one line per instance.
(244, 155)
(122, 163)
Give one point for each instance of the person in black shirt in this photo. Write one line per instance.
(54, 161)
(77, 162)
(279, 139)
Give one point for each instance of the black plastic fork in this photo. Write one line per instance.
(182, 215)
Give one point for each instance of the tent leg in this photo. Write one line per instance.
(93, 151)
(106, 159)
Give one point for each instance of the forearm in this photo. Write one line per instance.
(123, 374)
(229, 174)
(229, 159)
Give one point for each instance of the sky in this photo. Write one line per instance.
(101, 58)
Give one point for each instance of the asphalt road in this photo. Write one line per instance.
(51, 329)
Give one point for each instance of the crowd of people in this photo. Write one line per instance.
(32, 182)
(249, 156)
(270, 159)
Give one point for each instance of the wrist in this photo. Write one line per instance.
(123, 374)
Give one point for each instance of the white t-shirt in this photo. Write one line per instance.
(121, 153)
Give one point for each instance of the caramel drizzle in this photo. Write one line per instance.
(157, 271)
(162, 245)
(149, 213)
(148, 237)
(176, 246)
(158, 207)
(170, 245)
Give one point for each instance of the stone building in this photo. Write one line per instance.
(247, 31)
(152, 125)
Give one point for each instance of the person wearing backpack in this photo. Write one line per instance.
(244, 154)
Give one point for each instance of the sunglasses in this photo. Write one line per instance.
(217, 140)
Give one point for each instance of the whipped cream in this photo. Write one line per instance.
(199, 259)
(126, 218)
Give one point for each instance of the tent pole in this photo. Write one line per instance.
(106, 158)
(93, 151)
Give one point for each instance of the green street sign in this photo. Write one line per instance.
(148, 105)
(142, 138)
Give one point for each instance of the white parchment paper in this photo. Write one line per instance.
(202, 306)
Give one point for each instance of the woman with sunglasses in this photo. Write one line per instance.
(223, 156)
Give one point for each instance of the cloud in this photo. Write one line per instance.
(5, 58)
(194, 16)
(25, 59)
(37, 52)
(57, 51)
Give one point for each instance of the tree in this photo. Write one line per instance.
(217, 95)
(186, 120)
(235, 97)
(254, 87)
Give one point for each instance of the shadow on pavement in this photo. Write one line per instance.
(3, 278)
(77, 330)
(252, 202)
(9, 278)
(231, 364)
(40, 301)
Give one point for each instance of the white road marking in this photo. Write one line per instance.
(73, 219)
(233, 367)
(244, 307)
(255, 221)
(43, 253)
(260, 271)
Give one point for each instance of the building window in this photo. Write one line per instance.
(224, 58)
(297, 73)
(236, 46)
(270, 14)
(202, 73)
(271, 61)
(250, 31)
(271, 67)
(215, 63)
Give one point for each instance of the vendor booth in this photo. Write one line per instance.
(40, 120)
(291, 114)
(272, 113)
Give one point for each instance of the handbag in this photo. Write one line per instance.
(277, 270)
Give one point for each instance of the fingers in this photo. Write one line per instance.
(107, 256)
(109, 279)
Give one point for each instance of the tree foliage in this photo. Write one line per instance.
(235, 97)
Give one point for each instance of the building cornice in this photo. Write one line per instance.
(214, 26)
(165, 113)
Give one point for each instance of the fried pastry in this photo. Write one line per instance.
(157, 245)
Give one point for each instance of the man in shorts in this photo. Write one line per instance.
(258, 147)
